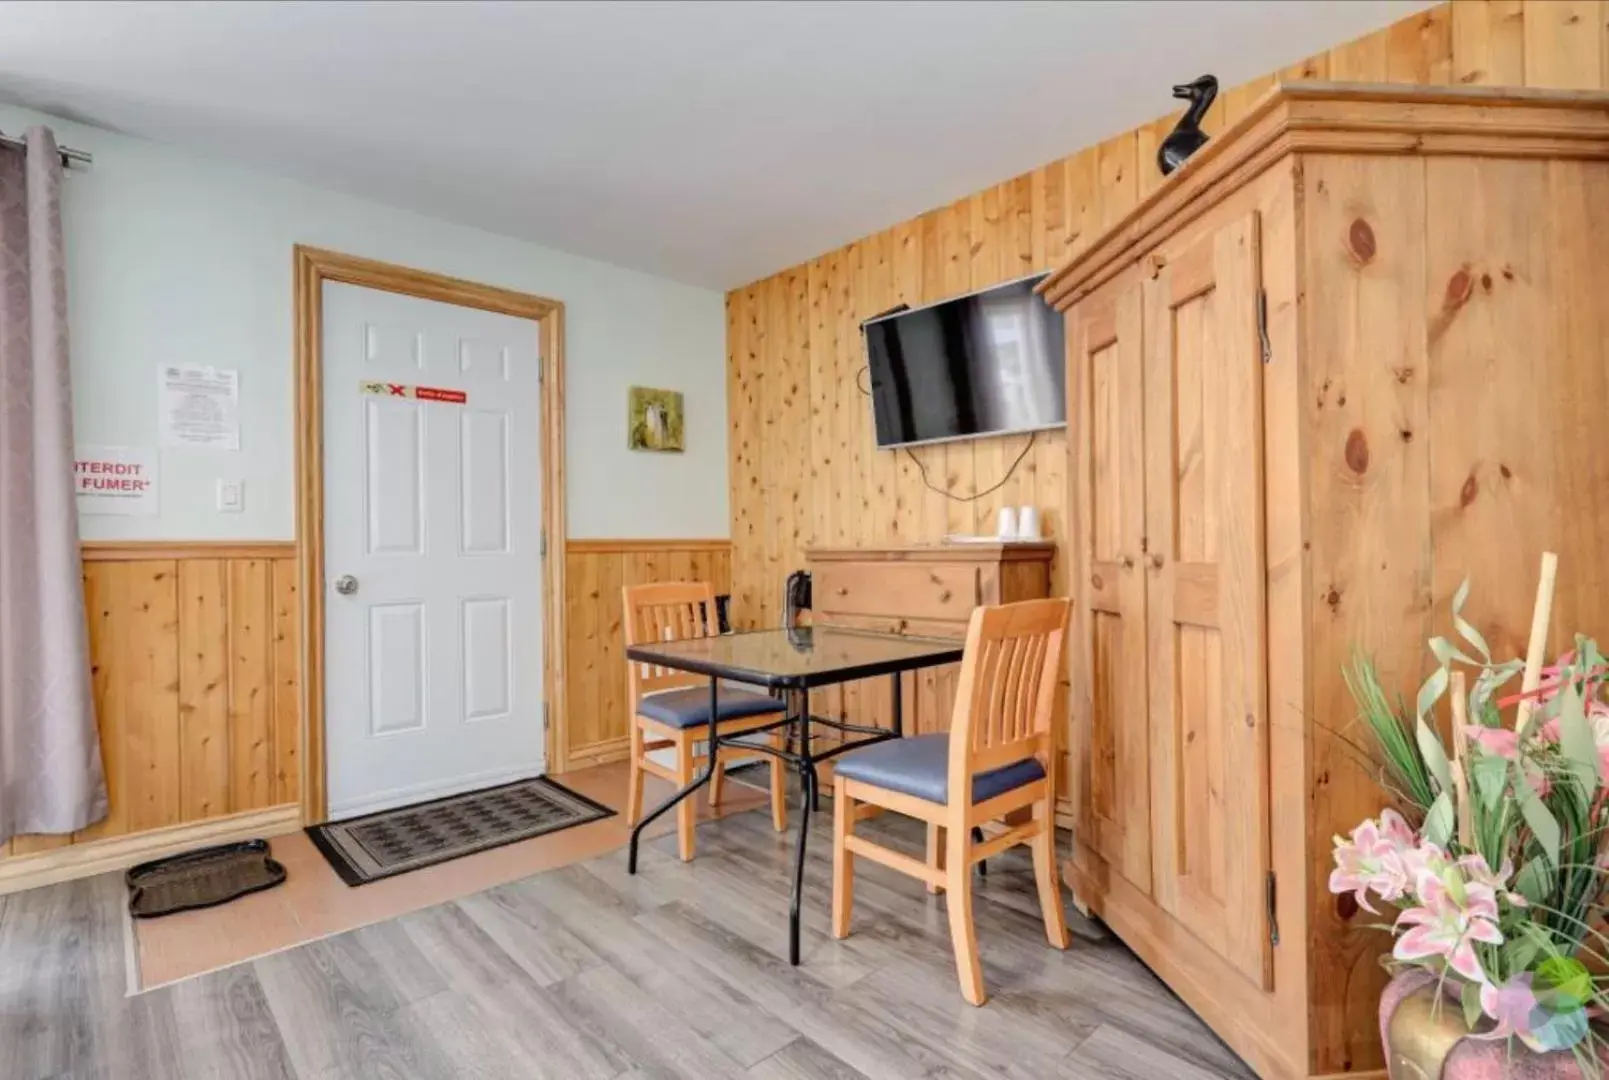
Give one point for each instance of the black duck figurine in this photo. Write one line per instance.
(1187, 137)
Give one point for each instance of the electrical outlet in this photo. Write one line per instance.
(231, 496)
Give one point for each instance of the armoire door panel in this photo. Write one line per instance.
(1205, 612)
(1109, 636)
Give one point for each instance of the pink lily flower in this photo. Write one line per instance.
(1375, 859)
(1445, 928)
(1477, 872)
(1501, 742)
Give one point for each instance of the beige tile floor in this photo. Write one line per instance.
(315, 903)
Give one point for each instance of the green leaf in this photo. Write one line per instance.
(1562, 983)
(1575, 739)
(1519, 952)
(1487, 683)
(1438, 827)
(1435, 756)
(1541, 823)
(1491, 779)
(1446, 652)
(1470, 997)
(1465, 630)
(1431, 691)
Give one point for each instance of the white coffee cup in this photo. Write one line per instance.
(1028, 523)
(1007, 528)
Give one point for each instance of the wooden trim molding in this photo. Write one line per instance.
(1343, 118)
(138, 550)
(941, 553)
(628, 546)
(21, 872)
(600, 753)
(312, 267)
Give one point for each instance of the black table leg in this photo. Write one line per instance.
(807, 795)
(703, 778)
(804, 751)
(899, 718)
(983, 864)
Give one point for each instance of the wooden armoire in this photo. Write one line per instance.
(1356, 350)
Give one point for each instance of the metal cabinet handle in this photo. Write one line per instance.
(346, 584)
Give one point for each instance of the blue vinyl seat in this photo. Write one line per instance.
(920, 767)
(691, 707)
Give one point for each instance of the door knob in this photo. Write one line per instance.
(1156, 561)
(1126, 562)
(346, 584)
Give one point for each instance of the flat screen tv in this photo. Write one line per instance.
(990, 363)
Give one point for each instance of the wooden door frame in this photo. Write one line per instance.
(312, 268)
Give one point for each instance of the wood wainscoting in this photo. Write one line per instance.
(595, 728)
(195, 654)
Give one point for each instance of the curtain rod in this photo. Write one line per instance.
(69, 156)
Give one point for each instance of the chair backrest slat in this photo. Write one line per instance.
(1006, 699)
(666, 611)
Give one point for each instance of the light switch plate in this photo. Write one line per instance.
(231, 496)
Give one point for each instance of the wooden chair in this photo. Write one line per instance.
(1001, 746)
(670, 709)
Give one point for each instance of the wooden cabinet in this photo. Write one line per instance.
(929, 590)
(1345, 358)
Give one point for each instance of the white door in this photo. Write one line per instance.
(432, 524)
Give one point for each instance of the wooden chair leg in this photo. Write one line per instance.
(634, 775)
(843, 863)
(716, 778)
(686, 811)
(958, 884)
(935, 854)
(779, 784)
(1044, 849)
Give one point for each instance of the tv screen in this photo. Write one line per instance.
(985, 364)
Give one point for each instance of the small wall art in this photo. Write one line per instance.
(654, 420)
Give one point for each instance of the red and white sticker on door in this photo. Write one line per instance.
(418, 393)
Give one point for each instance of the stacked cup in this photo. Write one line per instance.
(1018, 524)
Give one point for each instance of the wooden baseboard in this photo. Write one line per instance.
(120, 852)
(603, 753)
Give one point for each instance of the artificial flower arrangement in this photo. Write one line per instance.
(1495, 855)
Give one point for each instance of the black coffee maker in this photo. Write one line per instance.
(796, 598)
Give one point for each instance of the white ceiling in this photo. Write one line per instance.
(712, 143)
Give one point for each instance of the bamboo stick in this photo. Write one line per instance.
(1541, 616)
(1466, 823)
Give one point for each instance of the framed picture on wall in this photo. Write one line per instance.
(654, 420)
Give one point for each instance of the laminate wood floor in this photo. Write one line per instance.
(586, 973)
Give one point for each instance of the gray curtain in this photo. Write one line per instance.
(51, 779)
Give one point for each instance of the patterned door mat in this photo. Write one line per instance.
(201, 879)
(391, 842)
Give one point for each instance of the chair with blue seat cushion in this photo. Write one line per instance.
(671, 709)
(997, 759)
(691, 707)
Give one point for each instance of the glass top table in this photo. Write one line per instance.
(799, 659)
(794, 662)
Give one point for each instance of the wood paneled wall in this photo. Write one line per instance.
(595, 659)
(803, 467)
(195, 652)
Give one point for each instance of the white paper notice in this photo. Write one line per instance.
(115, 480)
(200, 407)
